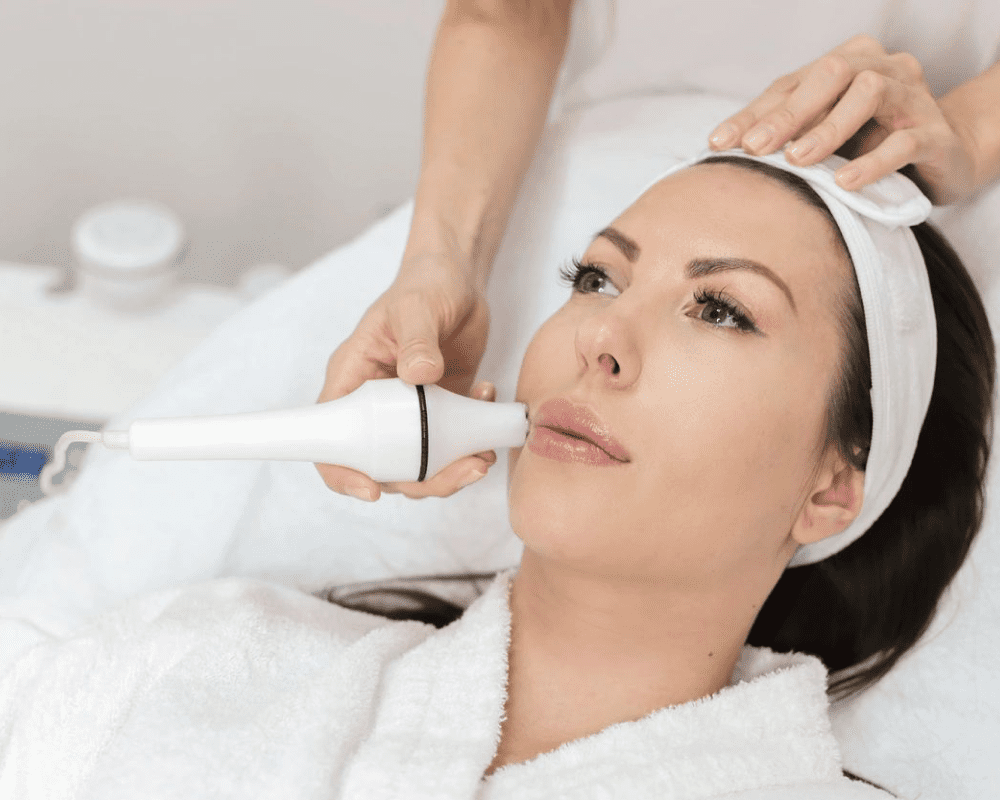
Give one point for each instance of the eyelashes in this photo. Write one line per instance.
(589, 278)
(721, 300)
(582, 276)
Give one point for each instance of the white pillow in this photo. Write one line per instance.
(127, 527)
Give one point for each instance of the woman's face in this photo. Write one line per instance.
(712, 416)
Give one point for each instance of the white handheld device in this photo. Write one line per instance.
(387, 429)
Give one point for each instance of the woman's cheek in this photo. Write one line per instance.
(512, 457)
(551, 346)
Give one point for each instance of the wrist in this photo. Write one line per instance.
(977, 133)
(435, 245)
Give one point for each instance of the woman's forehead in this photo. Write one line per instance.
(727, 188)
(727, 210)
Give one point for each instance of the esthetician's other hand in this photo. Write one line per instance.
(823, 104)
(429, 326)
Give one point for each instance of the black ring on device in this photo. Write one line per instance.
(423, 433)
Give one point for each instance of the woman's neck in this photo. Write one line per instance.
(588, 652)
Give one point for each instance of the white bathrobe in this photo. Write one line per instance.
(242, 689)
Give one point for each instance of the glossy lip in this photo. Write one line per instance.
(578, 422)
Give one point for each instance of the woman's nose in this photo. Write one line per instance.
(605, 346)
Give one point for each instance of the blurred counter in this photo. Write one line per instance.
(63, 356)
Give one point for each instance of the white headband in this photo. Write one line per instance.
(899, 313)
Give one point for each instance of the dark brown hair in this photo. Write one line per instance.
(862, 608)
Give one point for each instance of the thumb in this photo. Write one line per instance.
(419, 358)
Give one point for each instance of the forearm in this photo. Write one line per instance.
(490, 80)
(973, 109)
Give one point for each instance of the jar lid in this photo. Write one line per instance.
(127, 236)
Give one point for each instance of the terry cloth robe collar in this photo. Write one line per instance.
(438, 725)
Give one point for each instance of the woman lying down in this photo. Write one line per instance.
(753, 369)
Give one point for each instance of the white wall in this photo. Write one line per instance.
(276, 129)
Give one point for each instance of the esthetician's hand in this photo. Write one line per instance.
(823, 104)
(429, 326)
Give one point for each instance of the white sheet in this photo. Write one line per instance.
(128, 527)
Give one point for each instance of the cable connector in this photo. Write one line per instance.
(115, 439)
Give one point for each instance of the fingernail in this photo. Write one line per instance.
(419, 361)
(360, 491)
(470, 477)
(803, 147)
(848, 176)
(724, 136)
(759, 138)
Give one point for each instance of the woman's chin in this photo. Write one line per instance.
(548, 511)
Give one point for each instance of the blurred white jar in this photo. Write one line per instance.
(126, 253)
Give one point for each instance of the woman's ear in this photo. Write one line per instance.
(834, 500)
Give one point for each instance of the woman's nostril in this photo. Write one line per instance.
(609, 362)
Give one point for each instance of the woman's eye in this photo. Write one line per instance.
(591, 281)
(588, 279)
(722, 312)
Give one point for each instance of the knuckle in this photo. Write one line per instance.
(784, 119)
(417, 342)
(410, 491)
(784, 84)
(866, 43)
(835, 65)
(743, 120)
(337, 485)
(826, 132)
(870, 81)
(909, 65)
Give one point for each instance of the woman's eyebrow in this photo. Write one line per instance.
(700, 267)
(628, 246)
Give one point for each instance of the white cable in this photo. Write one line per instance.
(118, 439)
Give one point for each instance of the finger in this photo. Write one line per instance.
(459, 473)
(365, 355)
(861, 44)
(484, 390)
(730, 132)
(447, 481)
(865, 52)
(350, 482)
(344, 375)
(869, 94)
(907, 68)
(417, 333)
(823, 82)
(899, 149)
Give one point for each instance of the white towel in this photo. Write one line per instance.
(237, 688)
